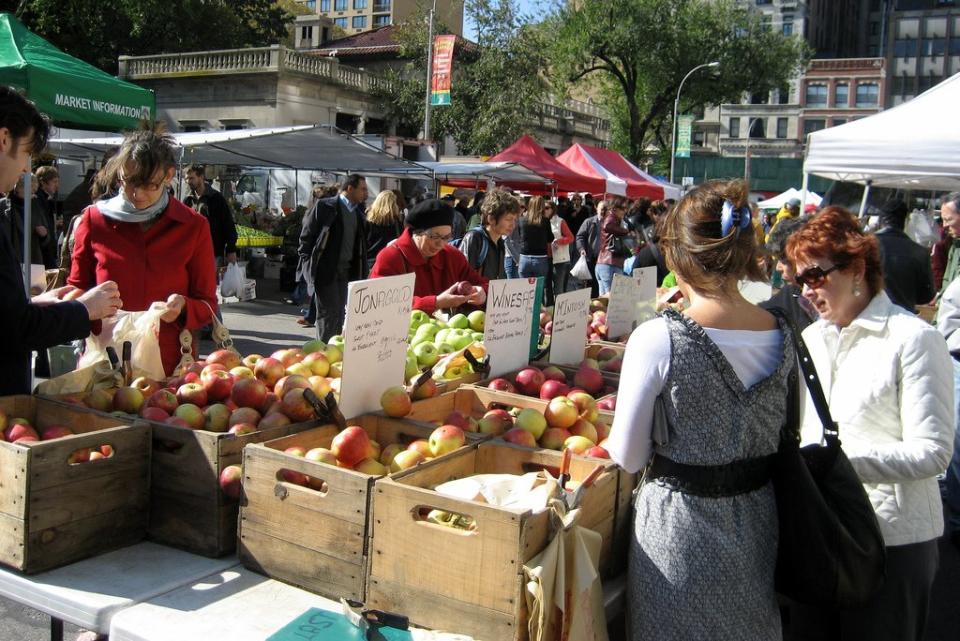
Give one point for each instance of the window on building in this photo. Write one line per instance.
(381, 21)
(838, 121)
(339, 5)
(760, 2)
(340, 22)
(359, 22)
(841, 95)
(784, 95)
(926, 82)
(311, 4)
(955, 45)
(697, 139)
(874, 28)
(324, 5)
(765, 22)
(359, 4)
(788, 24)
(306, 33)
(813, 124)
(904, 48)
(782, 124)
(381, 5)
(734, 127)
(933, 47)
(758, 128)
(816, 95)
(868, 94)
(902, 85)
(873, 51)
(758, 98)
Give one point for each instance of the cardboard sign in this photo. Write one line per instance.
(374, 340)
(507, 331)
(317, 624)
(622, 309)
(571, 313)
(646, 278)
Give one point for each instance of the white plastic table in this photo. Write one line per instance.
(89, 593)
(235, 604)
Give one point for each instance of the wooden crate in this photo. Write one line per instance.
(52, 512)
(592, 349)
(469, 582)
(187, 508)
(316, 540)
(522, 400)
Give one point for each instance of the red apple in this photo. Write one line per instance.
(288, 356)
(79, 456)
(297, 478)
(464, 288)
(589, 379)
(553, 388)
(288, 383)
(519, 436)
(428, 389)
(191, 377)
(250, 360)
(396, 402)
(192, 414)
(239, 429)
(597, 452)
(554, 373)
(446, 439)
(192, 393)
(529, 381)
(269, 370)
(106, 450)
(244, 415)
(296, 407)
(457, 418)
(561, 412)
(273, 420)
(249, 392)
(608, 403)
(230, 481)
(268, 404)
(176, 421)
(603, 431)
(351, 445)
(128, 400)
(495, 422)
(228, 358)
(585, 429)
(586, 404)
(17, 431)
(502, 385)
(217, 382)
(553, 438)
(532, 421)
(54, 431)
(422, 446)
(154, 414)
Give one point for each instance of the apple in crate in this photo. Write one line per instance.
(164, 400)
(296, 407)
(589, 379)
(216, 417)
(578, 444)
(297, 478)
(519, 436)
(321, 455)
(351, 445)
(239, 429)
(128, 400)
(446, 439)
(217, 382)
(405, 460)
(422, 446)
(190, 393)
(228, 358)
(273, 420)
(561, 412)
(17, 431)
(554, 373)
(54, 431)
(371, 466)
(396, 402)
(529, 381)
(154, 414)
(318, 363)
(250, 360)
(553, 388)
(531, 421)
(244, 415)
(269, 370)
(230, 481)
(502, 385)
(428, 389)
(389, 452)
(291, 382)
(597, 452)
(554, 438)
(585, 404)
(249, 392)
(147, 386)
(495, 422)
(192, 414)
(99, 399)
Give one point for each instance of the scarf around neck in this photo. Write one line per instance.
(119, 208)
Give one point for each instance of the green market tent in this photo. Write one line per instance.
(71, 92)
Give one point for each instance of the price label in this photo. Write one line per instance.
(507, 329)
(646, 278)
(622, 309)
(374, 340)
(571, 313)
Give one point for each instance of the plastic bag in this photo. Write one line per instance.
(233, 280)
(920, 228)
(580, 270)
(142, 329)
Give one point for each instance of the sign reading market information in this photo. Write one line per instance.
(441, 74)
(511, 304)
(374, 341)
(571, 313)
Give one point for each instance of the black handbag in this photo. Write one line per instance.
(831, 551)
(617, 247)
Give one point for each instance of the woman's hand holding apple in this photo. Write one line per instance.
(478, 297)
(175, 304)
(450, 298)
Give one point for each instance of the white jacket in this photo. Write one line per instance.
(888, 379)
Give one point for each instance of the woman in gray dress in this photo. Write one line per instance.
(701, 402)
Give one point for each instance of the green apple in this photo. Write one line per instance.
(315, 345)
(476, 320)
(336, 341)
(427, 354)
(442, 335)
(411, 368)
(419, 338)
(477, 337)
(459, 321)
(418, 317)
(445, 348)
(429, 329)
(462, 340)
(454, 372)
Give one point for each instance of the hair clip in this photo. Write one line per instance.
(734, 218)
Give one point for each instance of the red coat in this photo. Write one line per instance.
(173, 256)
(433, 276)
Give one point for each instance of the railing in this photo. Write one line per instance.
(581, 116)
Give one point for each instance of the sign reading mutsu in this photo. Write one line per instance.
(374, 341)
(511, 305)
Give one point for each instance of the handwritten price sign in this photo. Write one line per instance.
(507, 333)
(571, 313)
(375, 340)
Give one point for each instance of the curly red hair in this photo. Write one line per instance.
(834, 233)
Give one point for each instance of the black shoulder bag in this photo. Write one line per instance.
(831, 551)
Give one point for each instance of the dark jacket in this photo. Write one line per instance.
(11, 214)
(588, 238)
(576, 216)
(378, 236)
(472, 247)
(535, 239)
(321, 238)
(612, 226)
(27, 327)
(796, 308)
(214, 207)
(907, 275)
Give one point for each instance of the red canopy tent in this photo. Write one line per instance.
(621, 177)
(528, 153)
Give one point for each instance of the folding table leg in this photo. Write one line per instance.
(56, 629)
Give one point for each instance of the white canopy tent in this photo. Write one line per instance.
(911, 146)
(780, 200)
(317, 147)
(497, 172)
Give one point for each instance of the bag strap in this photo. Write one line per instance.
(219, 332)
(810, 377)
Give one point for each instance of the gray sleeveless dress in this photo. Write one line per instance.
(702, 568)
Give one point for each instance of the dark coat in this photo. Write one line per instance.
(472, 247)
(215, 208)
(320, 239)
(26, 327)
(907, 275)
(588, 238)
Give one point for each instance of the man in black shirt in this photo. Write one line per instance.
(907, 275)
(211, 204)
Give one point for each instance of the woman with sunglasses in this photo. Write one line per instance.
(424, 249)
(888, 378)
(156, 248)
(701, 402)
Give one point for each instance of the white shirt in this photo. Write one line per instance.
(888, 380)
(754, 355)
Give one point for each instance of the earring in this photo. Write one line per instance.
(856, 289)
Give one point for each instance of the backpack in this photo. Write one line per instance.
(484, 250)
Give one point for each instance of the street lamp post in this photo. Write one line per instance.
(746, 153)
(676, 104)
(426, 107)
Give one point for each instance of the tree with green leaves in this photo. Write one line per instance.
(99, 32)
(638, 52)
(498, 82)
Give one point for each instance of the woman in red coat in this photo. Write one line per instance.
(424, 248)
(155, 247)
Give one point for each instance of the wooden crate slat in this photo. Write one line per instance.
(338, 539)
(13, 480)
(48, 459)
(51, 507)
(12, 537)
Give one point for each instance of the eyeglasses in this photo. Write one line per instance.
(814, 277)
(437, 237)
(142, 186)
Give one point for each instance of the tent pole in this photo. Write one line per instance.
(27, 230)
(863, 201)
(803, 191)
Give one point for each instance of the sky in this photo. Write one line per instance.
(527, 7)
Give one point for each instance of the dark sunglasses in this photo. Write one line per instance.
(814, 277)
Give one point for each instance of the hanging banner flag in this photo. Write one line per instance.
(440, 76)
(684, 132)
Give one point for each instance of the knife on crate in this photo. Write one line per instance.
(335, 413)
(425, 374)
(478, 366)
(114, 359)
(319, 407)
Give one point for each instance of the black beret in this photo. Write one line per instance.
(430, 213)
(894, 209)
